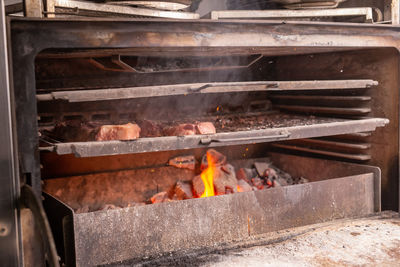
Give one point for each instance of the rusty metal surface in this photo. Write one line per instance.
(31, 36)
(31, 201)
(121, 234)
(381, 64)
(184, 89)
(116, 235)
(91, 149)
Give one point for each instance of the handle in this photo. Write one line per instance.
(208, 140)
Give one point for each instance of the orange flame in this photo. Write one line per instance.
(208, 178)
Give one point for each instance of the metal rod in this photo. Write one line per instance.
(360, 157)
(325, 110)
(207, 141)
(266, 14)
(362, 146)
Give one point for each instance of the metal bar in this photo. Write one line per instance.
(10, 234)
(121, 66)
(124, 10)
(361, 146)
(320, 97)
(207, 140)
(325, 110)
(267, 14)
(395, 12)
(359, 157)
(220, 87)
(141, 145)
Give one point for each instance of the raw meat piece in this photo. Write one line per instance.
(127, 131)
(180, 130)
(150, 129)
(205, 128)
(73, 131)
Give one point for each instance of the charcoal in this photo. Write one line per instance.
(258, 183)
(160, 197)
(198, 185)
(217, 158)
(225, 179)
(183, 162)
(269, 182)
(261, 167)
(181, 190)
(287, 177)
(242, 174)
(271, 173)
(243, 186)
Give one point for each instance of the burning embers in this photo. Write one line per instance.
(218, 177)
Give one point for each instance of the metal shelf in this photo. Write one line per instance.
(141, 145)
(203, 88)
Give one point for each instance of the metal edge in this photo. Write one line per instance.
(10, 229)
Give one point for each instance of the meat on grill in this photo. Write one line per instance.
(150, 128)
(190, 129)
(180, 130)
(127, 131)
(205, 128)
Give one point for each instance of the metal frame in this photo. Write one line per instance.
(10, 246)
(31, 36)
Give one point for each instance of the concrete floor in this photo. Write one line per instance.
(373, 241)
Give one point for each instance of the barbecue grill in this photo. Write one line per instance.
(319, 100)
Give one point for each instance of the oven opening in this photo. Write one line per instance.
(246, 141)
